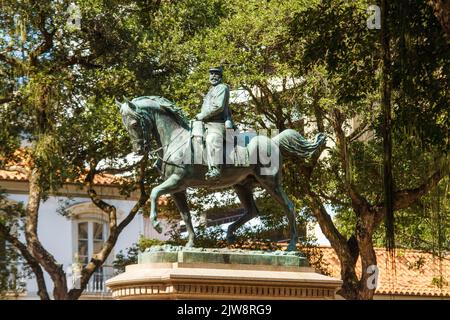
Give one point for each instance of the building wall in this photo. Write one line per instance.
(56, 232)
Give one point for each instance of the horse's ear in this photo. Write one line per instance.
(130, 104)
(118, 103)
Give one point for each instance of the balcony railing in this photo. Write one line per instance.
(96, 285)
(12, 279)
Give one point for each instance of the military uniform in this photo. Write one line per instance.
(216, 114)
(215, 106)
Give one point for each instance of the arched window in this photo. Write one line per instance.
(89, 232)
(91, 235)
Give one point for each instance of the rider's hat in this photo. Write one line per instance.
(216, 69)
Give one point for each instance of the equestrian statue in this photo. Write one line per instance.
(204, 153)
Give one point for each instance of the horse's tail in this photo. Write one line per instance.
(293, 143)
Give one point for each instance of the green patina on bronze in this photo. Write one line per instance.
(152, 117)
(173, 254)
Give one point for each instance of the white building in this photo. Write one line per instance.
(76, 236)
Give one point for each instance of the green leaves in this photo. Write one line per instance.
(307, 65)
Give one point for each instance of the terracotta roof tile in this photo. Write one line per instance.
(416, 273)
(18, 167)
(100, 179)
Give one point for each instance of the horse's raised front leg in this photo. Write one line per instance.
(182, 205)
(171, 185)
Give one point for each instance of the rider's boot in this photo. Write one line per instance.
(213, 173)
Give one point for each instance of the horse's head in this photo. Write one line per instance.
(135, 125)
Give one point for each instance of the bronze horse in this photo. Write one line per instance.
(156, 117)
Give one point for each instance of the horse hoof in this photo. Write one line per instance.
(231, 239)
(190, 244)
(157, 226)
(292, 247)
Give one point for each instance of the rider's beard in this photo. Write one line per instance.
(215, 82)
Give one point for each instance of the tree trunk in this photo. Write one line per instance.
(364, 233)
(44, 258)
(347, 251)
(441, 10)
(350, 283)
(42, 287)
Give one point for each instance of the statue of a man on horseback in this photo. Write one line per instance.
(216, 114)
(156, 118)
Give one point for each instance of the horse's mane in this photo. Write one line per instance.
(163, 105)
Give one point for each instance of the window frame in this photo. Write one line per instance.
(90, 238)
(88, 212)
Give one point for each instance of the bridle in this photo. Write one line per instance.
(146, 141)
(140, 119)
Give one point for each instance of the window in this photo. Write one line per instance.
(89, 232)
(13, 271)
(91, 236)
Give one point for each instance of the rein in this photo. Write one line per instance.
(147, 143)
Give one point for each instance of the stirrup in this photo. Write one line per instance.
(212, 174)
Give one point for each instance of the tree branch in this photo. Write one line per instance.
(31, 261)
(47, 44)
(259, 104)
(345, 250)
(99, 258)
(12, 61)
(76, 60)
(142, 198)
(405, 198)
(359, 203)
(324, 219)
(6, 100)
(334, 199)
(14, 95)
(102, 205)
(320, 126)
(272, 99)
(358, 132)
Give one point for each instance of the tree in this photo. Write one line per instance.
(359, 161)
(57, 90)
(308, 65)
(317, 66)
(442, 12)
(63, 65)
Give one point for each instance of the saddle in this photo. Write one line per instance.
(234, 144)
(193, 150)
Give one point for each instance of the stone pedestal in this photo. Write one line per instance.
(179, 273)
